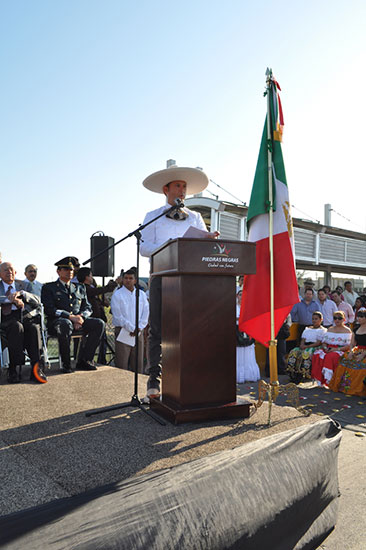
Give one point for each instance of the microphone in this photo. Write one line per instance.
(177, 213)
(179, 203)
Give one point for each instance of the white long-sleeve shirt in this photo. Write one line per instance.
(165, 228)
(350, 297)
(123, 306)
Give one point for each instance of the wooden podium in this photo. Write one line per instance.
(198, 327)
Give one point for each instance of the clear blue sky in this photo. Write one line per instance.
(97, 95)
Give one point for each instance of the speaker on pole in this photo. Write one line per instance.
(102, 265)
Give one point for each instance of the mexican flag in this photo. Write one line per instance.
(255, 318)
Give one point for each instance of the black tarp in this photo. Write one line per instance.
(277, 493)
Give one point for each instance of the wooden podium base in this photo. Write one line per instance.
(177, 414)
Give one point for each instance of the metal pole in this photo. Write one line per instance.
(272, 351)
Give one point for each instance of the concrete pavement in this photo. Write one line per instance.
(50, 449)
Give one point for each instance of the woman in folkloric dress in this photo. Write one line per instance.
(299, 359)
(350, 375)
(247, 369)
(336, 341)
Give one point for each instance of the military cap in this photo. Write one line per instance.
(67, 262)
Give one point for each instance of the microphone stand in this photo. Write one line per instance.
(135, 400)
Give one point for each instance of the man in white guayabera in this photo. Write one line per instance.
(174, 182)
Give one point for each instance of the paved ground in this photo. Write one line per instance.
(50, 449)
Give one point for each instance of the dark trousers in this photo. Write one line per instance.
(91, 330)
(155, 330)
(19, 335)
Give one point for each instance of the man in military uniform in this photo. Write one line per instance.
(68, 311)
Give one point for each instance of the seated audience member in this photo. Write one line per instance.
(302, 312)
(326, 308)
(350, 375)
(94, 292)
(336, 341)
(68, 311)
(18, 331)
(123, 307)
(343, 306)
(247, 369)
(359, 302)
(349, 294)
(30, 273)
(95, 295)
(76, 264)
(299, 359)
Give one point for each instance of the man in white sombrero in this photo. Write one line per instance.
(175, 183)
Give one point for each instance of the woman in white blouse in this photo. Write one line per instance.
(247, 369)
(299, 359)
(336, 341)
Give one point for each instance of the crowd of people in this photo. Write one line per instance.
(331, 343)
(331, 325)
(73, 305)
(332, 334)
(66, 303)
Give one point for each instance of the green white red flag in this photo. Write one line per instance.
(255, 316)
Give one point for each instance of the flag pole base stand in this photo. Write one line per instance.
(273, 389)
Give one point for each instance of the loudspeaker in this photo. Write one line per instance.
(103, 265)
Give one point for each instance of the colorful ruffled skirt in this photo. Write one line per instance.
(299, 363)
(350, 376)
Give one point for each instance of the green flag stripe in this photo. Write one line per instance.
(259, 199)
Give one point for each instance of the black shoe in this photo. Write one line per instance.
(85, 365)
(13, 377)
(153, 383)
(66, 369)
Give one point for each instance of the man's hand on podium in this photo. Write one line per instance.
(213, 235)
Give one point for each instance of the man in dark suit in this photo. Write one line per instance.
(19, 307)
(68, 311)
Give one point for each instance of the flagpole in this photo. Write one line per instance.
(273, 389)
(272, 351)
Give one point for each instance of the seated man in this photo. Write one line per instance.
(18, 311)
(30, 273)
(68, 310)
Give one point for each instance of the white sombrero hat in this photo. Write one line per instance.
(196, 180)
